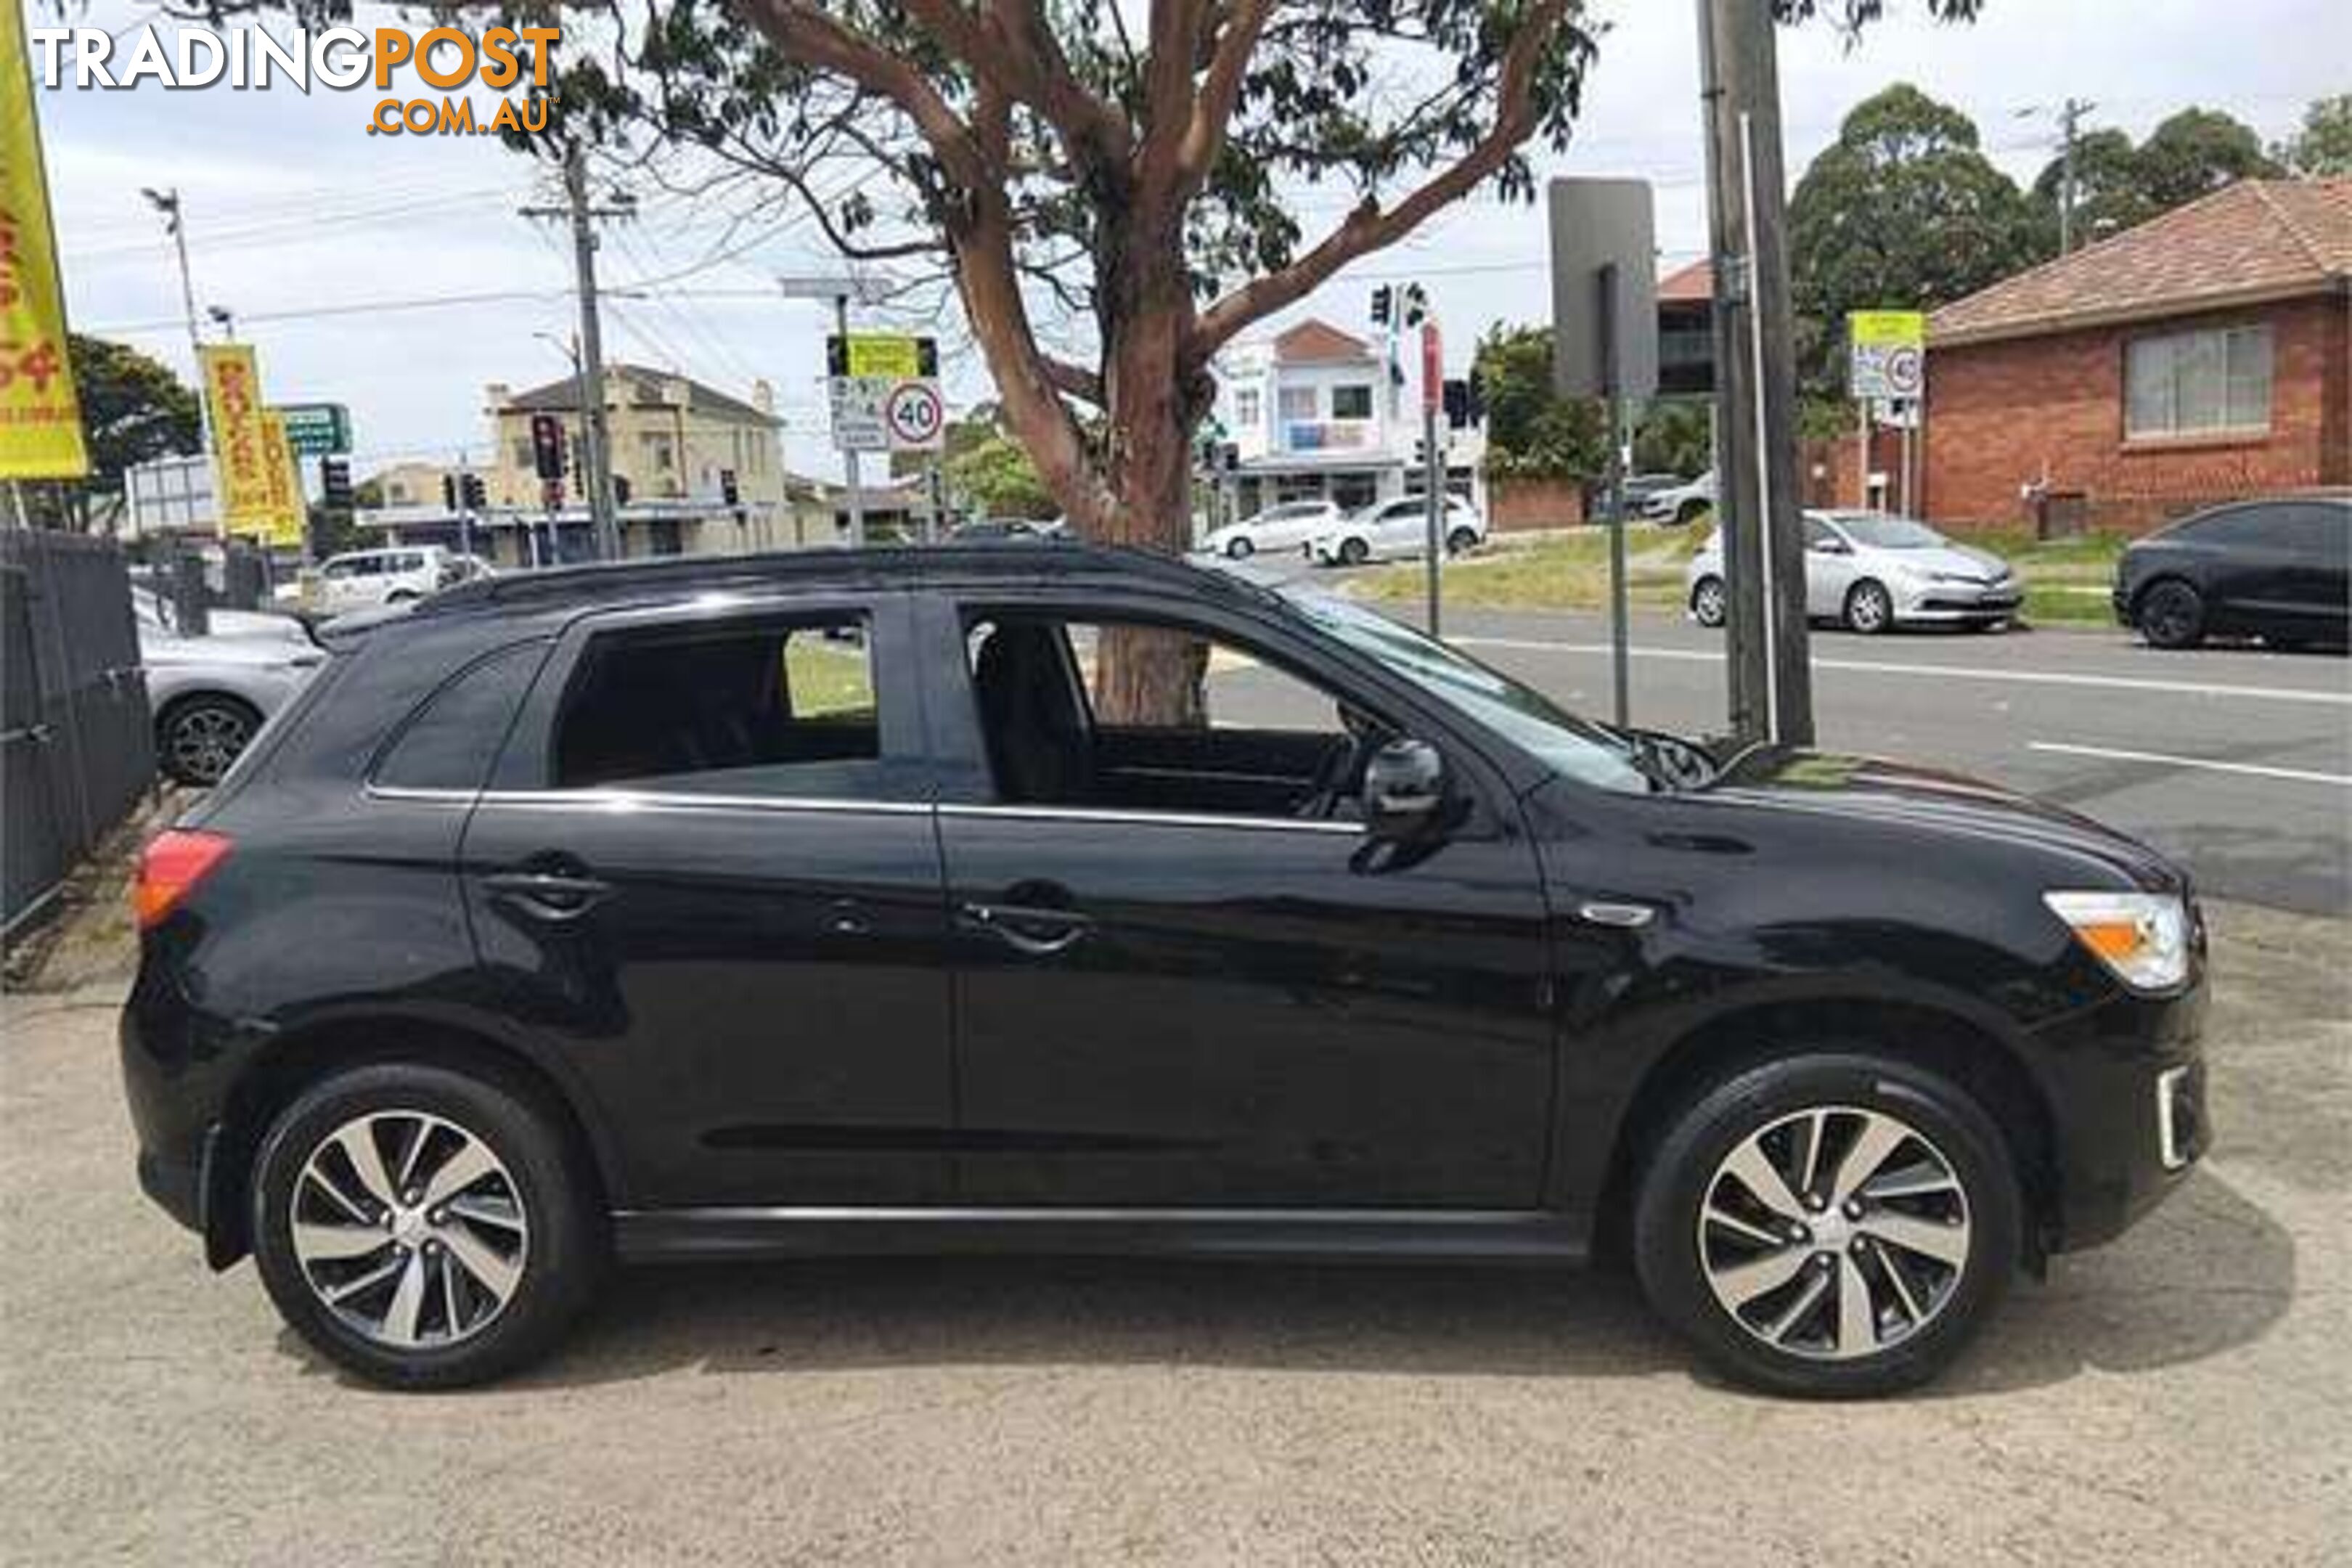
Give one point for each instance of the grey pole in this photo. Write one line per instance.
(849, 459)
(175, 218)
(1432, 478)
(1612, 381)
(592, 356)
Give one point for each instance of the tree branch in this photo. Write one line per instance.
(1204, 138)
(801, 31)
(1369, 227)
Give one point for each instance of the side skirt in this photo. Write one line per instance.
(1405, 1236)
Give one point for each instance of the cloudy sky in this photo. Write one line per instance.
(359, 265)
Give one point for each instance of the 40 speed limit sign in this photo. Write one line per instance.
(916, 416)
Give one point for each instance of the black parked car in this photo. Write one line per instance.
(726, 909)
(2271, 569)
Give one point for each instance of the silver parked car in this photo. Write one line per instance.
(1397, 529)
(210, 695)
(1282, 529)
(1872, 571)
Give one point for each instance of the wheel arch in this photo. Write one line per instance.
(181, 699)
(299, 1058)
(1978, 1061)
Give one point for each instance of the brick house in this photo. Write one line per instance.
(2203, 356)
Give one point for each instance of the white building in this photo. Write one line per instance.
(1317, 414)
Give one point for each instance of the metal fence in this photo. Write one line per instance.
(76, 744)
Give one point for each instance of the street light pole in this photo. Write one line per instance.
(167, 202)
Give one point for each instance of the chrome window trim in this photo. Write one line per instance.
(624, 800)
(1150, 819)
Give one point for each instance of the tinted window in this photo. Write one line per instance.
(455, 736)
(2284, 527)
(772, 708)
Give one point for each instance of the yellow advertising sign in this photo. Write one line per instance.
(1888, 328)
(41, 419)
(280, 526)
(242, 456)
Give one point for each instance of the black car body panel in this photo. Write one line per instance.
(868, 1021)
(2274, 569)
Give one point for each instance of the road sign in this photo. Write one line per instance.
(1889, 350)
(916, 415)
(898, 356)
(317, 429)
(1604, 288)
(859, 424)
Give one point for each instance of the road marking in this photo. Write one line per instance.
(2252, 770)
(1952, 671)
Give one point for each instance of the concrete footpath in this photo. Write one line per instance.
(2184, 1396)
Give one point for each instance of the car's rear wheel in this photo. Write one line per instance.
(1708, 603)
(2172, 615)
(199, 738)
(1461, 542)
(1354, 553)
(1690, 512)
(1830, 1223)
(421, 1228)
(1239, 548)
(1869, 608)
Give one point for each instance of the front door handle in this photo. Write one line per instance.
(548, 895)
(1039, 933)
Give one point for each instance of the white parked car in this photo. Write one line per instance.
(1280, 528)
(1397, 529)
(1872, 571)
(210, 695)
(1681, 503)
(157, 618)
(362, 579)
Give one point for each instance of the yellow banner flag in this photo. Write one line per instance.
(41, 419)
(280, 526)
(242, 458)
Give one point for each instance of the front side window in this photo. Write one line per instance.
(770, 707)
(2187, 384)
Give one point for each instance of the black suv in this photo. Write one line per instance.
(2272, 569)
(728, 909)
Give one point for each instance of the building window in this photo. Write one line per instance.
(660, 454)
(2187, 384)
(1247, 407)
(1351, 401)
(1295, 403)
(1350, 492)
(524, 456)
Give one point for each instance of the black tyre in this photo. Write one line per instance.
(2172, 615)
(1690, 512)
(421, 1227)
(1869, 608)
(1834, 1224)
(1461, 542)
(1354, 553)
(1239, 548)
(198, 738)
(1708, 603)
(400, 596)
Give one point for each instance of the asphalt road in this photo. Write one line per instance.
(2238, 761)
(2183, 1397)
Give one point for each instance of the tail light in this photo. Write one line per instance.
(169, 869)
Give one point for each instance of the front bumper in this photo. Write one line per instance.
(2127, 1088)
(1957, 603)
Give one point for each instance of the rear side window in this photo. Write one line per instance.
(455, 735)
(772, 708)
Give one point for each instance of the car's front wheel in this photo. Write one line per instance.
(1869, 608)
(199, 738)
(1239, 548)
(1708, 603)
(1831, 1223)
(421, 1227)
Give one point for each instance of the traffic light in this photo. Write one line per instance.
(1383, 305)
(1416, 304)
(547, 445)
(473, 492)
(620, 489)
(729, 491)
(448, 492)
(335, 483)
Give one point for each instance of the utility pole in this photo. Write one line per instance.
(2070, 121)
(1755, 367)
(167, 202)
(582, 214)
(850, 458)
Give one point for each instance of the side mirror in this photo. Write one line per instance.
(1404, 788)
(1831, 547)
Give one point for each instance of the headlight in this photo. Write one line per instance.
(2142, 937)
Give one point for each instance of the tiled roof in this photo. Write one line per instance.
(1691, 285)
(1318, 342)
(2255, 240)
(637, 386)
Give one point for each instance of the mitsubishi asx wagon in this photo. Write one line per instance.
(838, 903)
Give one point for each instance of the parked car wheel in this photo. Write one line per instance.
(1869, 608)
(1354, 553)
(1708, 603)
(1239, 548)
(399, 596)
(198, 738)
(2171, 614)
(1834, 1224)
(1690, 512)
(1462, 542)
(421, 1227)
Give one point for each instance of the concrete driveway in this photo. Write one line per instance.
(2184, 1396)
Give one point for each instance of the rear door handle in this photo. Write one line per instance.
(1039, 933)
(549, 895)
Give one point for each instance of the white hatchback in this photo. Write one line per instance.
(1280, 528)
(1397, 529)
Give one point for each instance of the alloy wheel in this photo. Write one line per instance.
(1868, 609)
(206, 740)
(1707, 603)
(409, 1229)
(1834, 1232)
